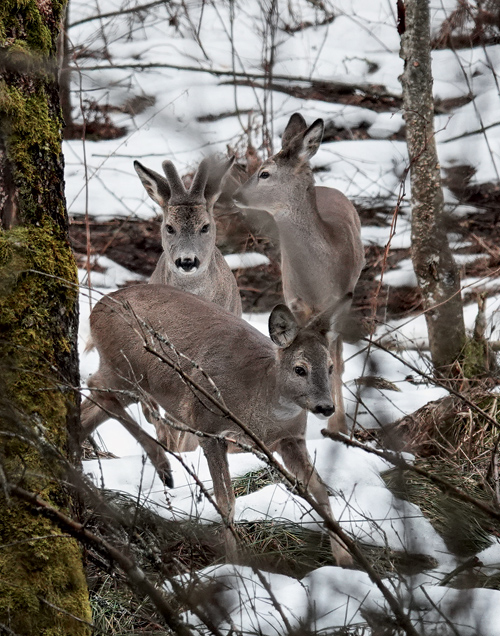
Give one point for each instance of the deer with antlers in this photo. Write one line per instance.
(190, 261)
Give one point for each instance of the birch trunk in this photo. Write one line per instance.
(436, 271)
(42, 583)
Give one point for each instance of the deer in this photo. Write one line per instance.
(268, 383)
(319, 233)
(190, 261)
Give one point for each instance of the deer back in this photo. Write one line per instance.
(190, 258)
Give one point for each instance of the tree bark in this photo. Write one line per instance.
(436, 271)
(42, 583)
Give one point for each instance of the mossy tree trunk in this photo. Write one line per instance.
(40, 568)
(436, 271)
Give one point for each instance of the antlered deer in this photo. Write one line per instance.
(267, 384)
(190, 261)
(319, 229)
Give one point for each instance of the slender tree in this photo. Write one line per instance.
(42, 584)
(436, 271)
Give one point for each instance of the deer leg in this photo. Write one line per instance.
(337, 422)
(296, 458)
(105, 406)
(165, 434)
(216, 454)
(91, 416)
(187, 442)
(152, 448)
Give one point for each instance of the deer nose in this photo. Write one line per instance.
(239, 198)
(324, 410)
(187, 264)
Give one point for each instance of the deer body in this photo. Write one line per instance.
(319, 229)
(267, 385)
(328, 239)
(217, 284)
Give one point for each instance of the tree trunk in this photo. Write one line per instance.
(40, 569)
(65, 78)
(436, 271)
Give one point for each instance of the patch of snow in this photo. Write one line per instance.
(247, 259)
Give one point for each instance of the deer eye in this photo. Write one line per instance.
(264, 175)
(170, 229)
(205, 229)
(330, 369)
(300, 370)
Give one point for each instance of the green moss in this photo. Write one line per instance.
(22, 20)
(474, 358)
(31, 131)
(39, 569)
(49, 569)
(38, 275)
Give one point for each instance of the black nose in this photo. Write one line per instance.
(324, 409)
(187, 264)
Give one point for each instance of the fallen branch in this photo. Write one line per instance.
(399, 462)
(135, 575)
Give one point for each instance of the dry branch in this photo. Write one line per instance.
(399, 462)
(112, 14)
(292, 483)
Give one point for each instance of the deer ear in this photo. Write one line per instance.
(311, 140)
(217, 174)
(330, 322)
(282, 326)
(156, 185)
(296, 124)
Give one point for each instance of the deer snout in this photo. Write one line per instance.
(240, 199)
(324, 411)
(187, 264)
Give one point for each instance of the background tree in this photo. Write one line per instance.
(42, 585)
(436, 271)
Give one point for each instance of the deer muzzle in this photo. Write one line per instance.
(187, 265)
(324, 411)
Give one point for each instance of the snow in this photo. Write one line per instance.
(248, 259)
(327, 599)
(361, 46)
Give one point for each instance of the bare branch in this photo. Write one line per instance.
(399, 462)
(135, 575)
(112, 14)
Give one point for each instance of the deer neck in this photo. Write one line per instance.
(304, 251)
(300, 217)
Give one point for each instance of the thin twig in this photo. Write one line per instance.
(437, 382)
(470, 564)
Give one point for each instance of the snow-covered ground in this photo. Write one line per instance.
(192, 114)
